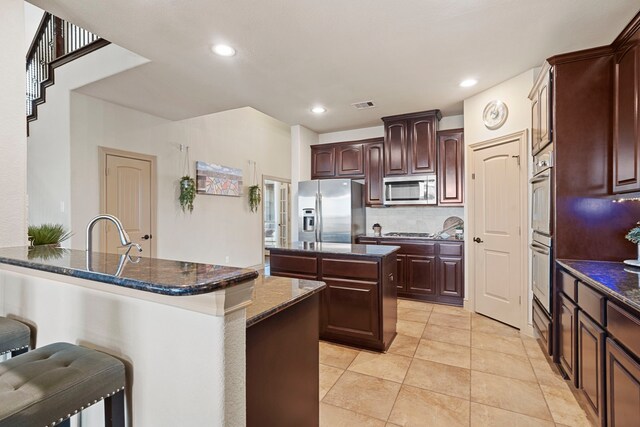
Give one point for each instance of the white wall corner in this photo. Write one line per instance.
(301, 141)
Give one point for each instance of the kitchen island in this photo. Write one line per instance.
(359, 305)
(181, 328)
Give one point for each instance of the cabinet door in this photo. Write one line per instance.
(535, 124)
(567, 336)
(395, 146)
(591, 364)
(374, 171)
(422, 140)
(401, 280)
(450, 277)
(323, 162)
(450, 167)
(626, 131)
(350, 160)
(421, 274)
(623, 387)
(544, 134)
(350, 309)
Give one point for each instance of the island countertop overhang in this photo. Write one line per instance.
(159, 276)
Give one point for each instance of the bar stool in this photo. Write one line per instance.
(48, 385)
(14, 337)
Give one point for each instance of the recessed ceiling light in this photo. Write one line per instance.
(318, 110)
(223, 50)
(468, 83)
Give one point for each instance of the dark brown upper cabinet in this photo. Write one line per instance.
(350, 160)
(450, 167)
(410, 143)
(323, 161)
(422, 140)
(541, 134)
(373, 173)
(626, 123)
(395, 147)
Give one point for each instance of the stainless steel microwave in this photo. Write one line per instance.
(410, 190)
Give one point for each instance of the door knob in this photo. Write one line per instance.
(146, 237)
(477, 240)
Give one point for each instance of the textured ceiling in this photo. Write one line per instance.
(404, 55)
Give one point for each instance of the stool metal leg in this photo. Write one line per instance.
(19, 352)
(114, 410)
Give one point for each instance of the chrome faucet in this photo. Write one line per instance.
(124, 237)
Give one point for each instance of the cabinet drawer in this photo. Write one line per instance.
(593, 303)
(350, 268)
(624, 327)
(294, 264)
(569, 285)
(365, 241)
(452, 249)
(411, 248)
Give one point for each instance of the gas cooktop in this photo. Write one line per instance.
(400, 234)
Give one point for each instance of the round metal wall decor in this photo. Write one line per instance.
(495, 114)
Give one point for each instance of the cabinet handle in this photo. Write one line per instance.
(391, 277)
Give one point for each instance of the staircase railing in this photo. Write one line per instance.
(56, 42)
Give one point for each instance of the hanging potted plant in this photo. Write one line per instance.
(187, 193)
(187, 184)
(255, 197)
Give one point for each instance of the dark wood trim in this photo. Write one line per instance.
(450, 131)
(358, 141)
(416, 115)
(627, 33)
(580, 55)
(100, 43)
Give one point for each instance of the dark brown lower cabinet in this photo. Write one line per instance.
(350, 309)
(542, 323)
(568, 317)
(623, 387)
(282, 368)
(359, 305)
(428, 270)
(591, 339)
(421, 274)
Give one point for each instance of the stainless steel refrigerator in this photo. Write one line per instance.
(330, 210)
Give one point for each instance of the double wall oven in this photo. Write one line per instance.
(542, 226)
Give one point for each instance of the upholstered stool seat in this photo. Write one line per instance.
(14, 336)
(46, 386)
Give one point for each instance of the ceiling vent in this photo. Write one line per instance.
(364, 105)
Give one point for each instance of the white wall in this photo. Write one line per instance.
(514, 92)
(301, 141)
(219, 226)
(13, 149)
(49, 157)
(32, 18)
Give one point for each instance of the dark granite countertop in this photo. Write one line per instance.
(617, 280)
(148, 274)
(338, 249)
(273, 294)
(439, 239)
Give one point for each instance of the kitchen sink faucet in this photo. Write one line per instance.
(124, 237)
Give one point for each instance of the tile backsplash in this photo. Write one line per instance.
(420, 219)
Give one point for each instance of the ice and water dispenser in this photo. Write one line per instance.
(308, 220)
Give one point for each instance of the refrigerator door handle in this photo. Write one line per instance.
(317, 218)
(319, 213)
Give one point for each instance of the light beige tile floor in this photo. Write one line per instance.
(447, 367)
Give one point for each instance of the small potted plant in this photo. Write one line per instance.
(634, 237)
(254, 197)
(48, 234)
(187, 193)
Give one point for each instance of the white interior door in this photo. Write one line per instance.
(497, 240)
(128, 197)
